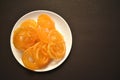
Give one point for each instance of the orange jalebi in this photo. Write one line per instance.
(40, 42)
(56, 50)
(45, 21)
(35, 57)
(25, 36)
(28, 59)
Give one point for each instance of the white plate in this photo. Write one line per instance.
(60, 24)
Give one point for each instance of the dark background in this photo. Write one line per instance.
(96, 39)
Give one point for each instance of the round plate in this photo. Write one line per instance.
(60, 24)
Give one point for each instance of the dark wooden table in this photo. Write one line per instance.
(95, 26)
